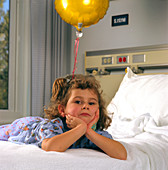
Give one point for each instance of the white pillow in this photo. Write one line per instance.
(140, 94)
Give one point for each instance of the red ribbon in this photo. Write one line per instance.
(75, 54)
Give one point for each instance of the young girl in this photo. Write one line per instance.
(75, 118)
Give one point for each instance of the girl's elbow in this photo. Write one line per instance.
(44, 145)
(123, 155)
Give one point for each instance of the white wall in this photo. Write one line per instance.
(148, 25)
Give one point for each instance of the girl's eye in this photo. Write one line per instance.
(78, 102)
(92, 103)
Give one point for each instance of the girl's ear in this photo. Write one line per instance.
(61, 110)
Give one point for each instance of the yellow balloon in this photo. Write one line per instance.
(81, 13)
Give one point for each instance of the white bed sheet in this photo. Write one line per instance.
(146, 144)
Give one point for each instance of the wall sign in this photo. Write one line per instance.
(120, 20)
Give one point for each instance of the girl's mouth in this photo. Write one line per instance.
(85, 114)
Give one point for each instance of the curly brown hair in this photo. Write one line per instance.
(61, 92)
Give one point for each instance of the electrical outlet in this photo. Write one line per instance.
(106, 60)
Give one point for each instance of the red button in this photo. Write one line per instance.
(124, 59)
(120, 59)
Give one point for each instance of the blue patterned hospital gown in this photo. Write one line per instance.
(33, 130)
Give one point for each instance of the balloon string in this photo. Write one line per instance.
(75, 54)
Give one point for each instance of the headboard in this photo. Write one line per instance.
(108, 66)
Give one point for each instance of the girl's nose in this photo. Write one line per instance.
(85, 106)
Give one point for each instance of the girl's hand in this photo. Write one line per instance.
(72, 121)
(94, 120)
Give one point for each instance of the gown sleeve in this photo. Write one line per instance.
(36, 132)
(50, 129)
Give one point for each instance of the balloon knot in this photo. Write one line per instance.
(79, 34)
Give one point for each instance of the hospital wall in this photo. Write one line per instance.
(148, 25)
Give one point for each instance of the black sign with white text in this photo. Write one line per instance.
(119, 20)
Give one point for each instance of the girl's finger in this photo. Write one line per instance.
(97, 112)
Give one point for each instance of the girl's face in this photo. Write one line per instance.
(83, 103)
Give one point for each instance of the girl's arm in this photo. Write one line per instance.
(109, 146)
(62, 142)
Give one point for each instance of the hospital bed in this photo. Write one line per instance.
(134, 83)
